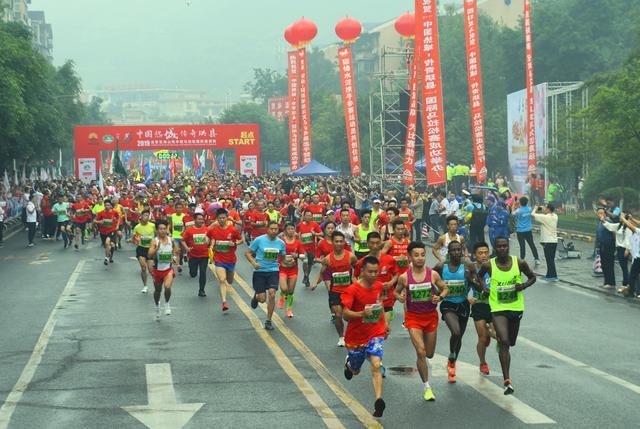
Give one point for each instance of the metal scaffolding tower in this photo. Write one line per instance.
(388, 110)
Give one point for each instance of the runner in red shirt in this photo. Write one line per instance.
(317, 208)
(308, 232)
(397, 245)
(82, 215)
(108, 222)
(366, 329)
(405, 214)
(225, 239)
(246, 221)
(289, 268)
(339, 264)
(259, 220)
(195, 242)
(388, 273)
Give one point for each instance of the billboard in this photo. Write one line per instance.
(517, 134)
(87, 169)
(89, 141)
(278, 107)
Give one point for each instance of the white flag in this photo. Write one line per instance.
(5, 181)
(15, 173)
(23, 179)
(100, 182)
(32, 175)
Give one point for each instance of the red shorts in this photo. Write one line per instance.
(391, 299)
(426, 322)
(159, 276)
(289, 272)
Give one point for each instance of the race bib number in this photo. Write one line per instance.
(306, 238)
(200, 239)
(403, 263)
(177, 227)
(271, 255)
(456, 288)
(420, 292)
(317, 217)
(341, 279)
(164, 257)
(404, 217)
(222, 246)
(107, 223)
(376, 311)
(189, 224)
(145, 241)
(260, 224)
(507, 294)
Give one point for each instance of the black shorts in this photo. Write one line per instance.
(481, 311)
(65, 223)
(262, 281)
(361, 255)
(335, 298)
(111, 235)
(388, 309)
(142, 252)
(81, 225)
(511, 315)
(461, 309)
(310, 258)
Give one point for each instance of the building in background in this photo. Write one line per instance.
(16, 11)
(135, 105)
(42, 34)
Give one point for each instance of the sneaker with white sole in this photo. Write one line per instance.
(145, 289)
(340, 342)
(157, 312)
(167, 309)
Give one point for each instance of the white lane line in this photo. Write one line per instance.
(470, 376)
(29, 370)
(612, 378)
(573, 289)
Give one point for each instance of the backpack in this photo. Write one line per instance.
(479, 216)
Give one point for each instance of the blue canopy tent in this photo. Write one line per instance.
(314, 168)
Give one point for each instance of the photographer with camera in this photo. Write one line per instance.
(548, 221)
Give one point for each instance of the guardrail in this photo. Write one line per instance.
(571, 234)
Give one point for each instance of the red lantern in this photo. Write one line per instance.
(290, 36)
(304, 30)
(406, 25)
(348, 29)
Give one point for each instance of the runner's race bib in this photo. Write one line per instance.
(145, 241)
(456, 288)
(107, 223)
(177, 227)
(165, 257)
(189, 224)
(306, 238)
(317, 217)
(200, 239)
(420, 292)
(222, 246)
(402, 263)
(260, 224)
(376, 311)
(341, 279)
(271, 254)
(404, 217)
(507, 294)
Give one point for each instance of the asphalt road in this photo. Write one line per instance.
(80, 343)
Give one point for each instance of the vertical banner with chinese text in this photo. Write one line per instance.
(474, 73)
(304, 107)
(531, 116)
(294, 146)
(350, 109)
(432, 106)
(408, 172)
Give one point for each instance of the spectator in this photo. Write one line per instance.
(434, 215)
(31, 219)
(418, 206)
(633, 289)
(524, 229)
(607, 248)
(497, 221)
(623, 248)
(548, 238)
(477, 222)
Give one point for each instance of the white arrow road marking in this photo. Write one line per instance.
(470, 375)
(163, 411)
(30, 368)
(612, 378)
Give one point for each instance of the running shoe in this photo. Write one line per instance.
(145, 289)
(340, 342)
(451, 369)
(106, 261)
(111, 260)
(30, 245)
(306, 282)
(281, 302)
(167, 309)
(254, 302)
(484, 368)
(348, 374)
(508, 387)
(201, 293)
(379, 407)
(179, 269)
(428, 394)
(289, 313)
(75, 246)
(268, 325)
(225, 307)
(333, 319)
(157, 312)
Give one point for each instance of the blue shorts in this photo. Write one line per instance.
(178, 241)
(228, 267)
(357, 355)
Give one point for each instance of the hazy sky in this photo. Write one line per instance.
(211, 45)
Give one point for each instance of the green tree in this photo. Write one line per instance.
(266, 83)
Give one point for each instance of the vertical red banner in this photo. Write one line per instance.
(347, 77)
(431, 83)
(531, 116)
(294, 146)
(304, 107)
(474, 74)
(409, 170)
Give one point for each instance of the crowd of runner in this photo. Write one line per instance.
(370, 249)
